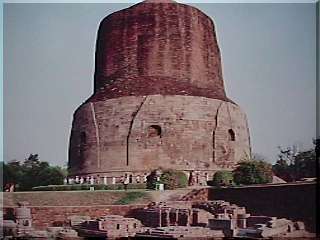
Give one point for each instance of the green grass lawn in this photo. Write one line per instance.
(130, 197)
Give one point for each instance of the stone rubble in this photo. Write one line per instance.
(179, 220)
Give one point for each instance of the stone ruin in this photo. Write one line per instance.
(158, 100)
(111, 226)
(181, 232)
(234, 221)
(165, 214)
(181, 220)
(20, 227)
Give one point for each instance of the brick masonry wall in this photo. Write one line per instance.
(152, 40)
(44, 216)
(194, 135)
(292, 201)
(49, 208)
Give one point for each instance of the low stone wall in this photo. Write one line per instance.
(293, 201)
(54, 208)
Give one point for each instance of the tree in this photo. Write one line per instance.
(293, 165)
(12, 173)
(173, 179)
(152, 179)
(304, 165)
(32, 172)
(222, 178)
(288, 154)
(253, 172)
(283, 170)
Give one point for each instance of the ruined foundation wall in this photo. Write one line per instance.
(48, 216)
(294, 201)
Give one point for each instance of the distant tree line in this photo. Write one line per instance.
(293, 165)
(32, 172)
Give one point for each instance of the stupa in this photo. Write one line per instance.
(159, 99)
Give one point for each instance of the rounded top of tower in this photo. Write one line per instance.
(159, 1)
(163, 48)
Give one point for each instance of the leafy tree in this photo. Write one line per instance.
(283, 170)
(293, 165)
(253, 172)
(288, 154)
(32, 172)
(222, 178)
(152, 180)
(304, 165)
(12, 172)
(173, 179)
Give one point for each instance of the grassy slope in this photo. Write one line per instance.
(77, 198)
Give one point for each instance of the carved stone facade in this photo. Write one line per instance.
(159, 99)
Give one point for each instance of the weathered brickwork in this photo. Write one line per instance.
(44, 216)
(282, 200)
(168, 40)
(194, 134)
(159, 98)
(293, 201)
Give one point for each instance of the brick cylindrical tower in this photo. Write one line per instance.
(160, 45)
(159, 98)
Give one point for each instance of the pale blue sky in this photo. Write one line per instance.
(268, 55)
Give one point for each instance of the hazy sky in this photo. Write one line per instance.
(268, 57)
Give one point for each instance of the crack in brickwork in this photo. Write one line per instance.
(249, 138)
(230, 118)
(134, 115)
(230, 150)
(97, 133)
(214, 133)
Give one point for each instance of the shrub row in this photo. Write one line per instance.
(83, 187)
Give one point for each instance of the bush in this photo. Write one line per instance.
(253, 172)
(222, 178)
(173, 179)
(152, 180)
